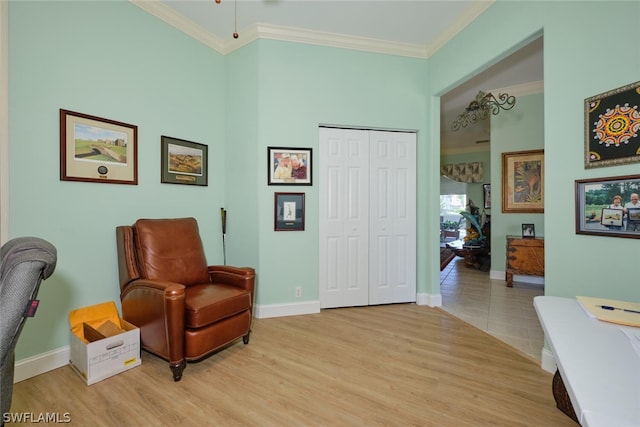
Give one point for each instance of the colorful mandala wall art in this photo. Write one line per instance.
(612, 127)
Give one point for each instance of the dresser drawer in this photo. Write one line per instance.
(525, 257)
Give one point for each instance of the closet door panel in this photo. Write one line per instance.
(393, 218)
(344, 224)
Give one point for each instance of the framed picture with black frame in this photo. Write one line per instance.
(183, 162)
(289, 166)
(612, 127)
(528, 231)
(486, 193)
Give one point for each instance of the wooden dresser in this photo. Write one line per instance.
(524, 256)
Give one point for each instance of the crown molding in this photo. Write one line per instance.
(190, 28)
(300, 35)
(459, 24)
(522, 89)
(320, 38)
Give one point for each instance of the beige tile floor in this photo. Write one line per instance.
(488, 304)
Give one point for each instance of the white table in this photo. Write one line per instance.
(600, 369)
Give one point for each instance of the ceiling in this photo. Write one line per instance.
(422, 24)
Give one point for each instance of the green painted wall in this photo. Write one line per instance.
(521, 129)
(577, 64)
(243, 162)
(301, 87)
(113, 60)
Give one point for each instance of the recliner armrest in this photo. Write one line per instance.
(157, 308)
(241, 277)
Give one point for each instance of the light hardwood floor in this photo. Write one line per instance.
(390, 365)
(488, 304)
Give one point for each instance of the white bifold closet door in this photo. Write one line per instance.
(367, 219)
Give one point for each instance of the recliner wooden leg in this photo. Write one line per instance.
(177, 369)
(245, 339)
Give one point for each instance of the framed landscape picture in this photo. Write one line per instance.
(95, 149)
(608, 206)
(183, 162)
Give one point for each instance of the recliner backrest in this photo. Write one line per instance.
(170, 250)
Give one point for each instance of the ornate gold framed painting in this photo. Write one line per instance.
(523, 181)
(612, 127)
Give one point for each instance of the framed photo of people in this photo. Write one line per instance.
(608, 206)
(289, 166)
(612, 127)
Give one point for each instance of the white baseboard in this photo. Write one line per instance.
(41, 363)
(432, 300)
(532, 280)
(548, 361)
(281, 310)
(54, 359)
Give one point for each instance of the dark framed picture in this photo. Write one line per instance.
(528, 231)
(289, 166)
(183, 162)
(608, 206)
(612, 127)
(523, 181)
(95, 149)
(486, 193)
(288, 212)
(633, 214)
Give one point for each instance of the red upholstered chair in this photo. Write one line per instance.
(185, 309)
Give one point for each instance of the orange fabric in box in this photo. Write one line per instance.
(95, 316)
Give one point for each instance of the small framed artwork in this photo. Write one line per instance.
(289, 166)
(608, 206)
(183, 162)
(611, 217)
(523, 181)
(528, 231)
(95, 149)
(486, 192)
(288, 212)
(633, 214)
(612, 127)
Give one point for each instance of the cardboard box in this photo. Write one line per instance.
(102, 344)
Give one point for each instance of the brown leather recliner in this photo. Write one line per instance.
(185, 309)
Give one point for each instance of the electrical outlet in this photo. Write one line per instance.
(298, 292)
